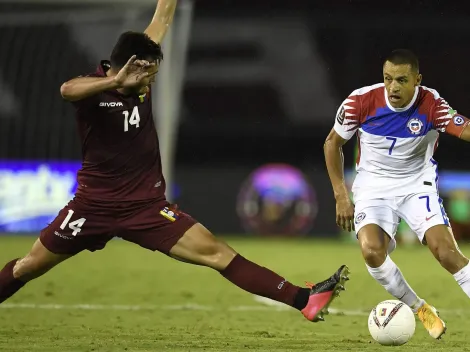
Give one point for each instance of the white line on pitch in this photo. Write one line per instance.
(103, 306)
(191, 306)
(279, 307)
(356, 312)
(197, 307)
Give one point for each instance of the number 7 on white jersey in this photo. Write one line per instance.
(394, 140)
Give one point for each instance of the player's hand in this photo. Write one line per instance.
(133, 72)
(345, 214)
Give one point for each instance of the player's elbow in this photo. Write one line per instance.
(333, 141)
(330, 144)
(66, 91)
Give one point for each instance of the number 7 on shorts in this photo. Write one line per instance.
(427, 202)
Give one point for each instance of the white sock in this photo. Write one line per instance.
(463, 278)
(391, 278)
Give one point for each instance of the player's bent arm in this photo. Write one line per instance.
(161, 20)
(83, 87)
(334, 158)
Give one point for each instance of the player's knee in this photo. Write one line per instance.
(36, 263)
(441, 242)
(374, 249)
(449, 256)
(218, 255)
(31, 267)
(200, 246)
(374, 252)
(374, 256)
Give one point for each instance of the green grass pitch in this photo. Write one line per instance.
(125, 298)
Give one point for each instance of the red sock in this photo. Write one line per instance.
(8, 284)
(263, 282)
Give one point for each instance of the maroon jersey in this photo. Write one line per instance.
(120, 151)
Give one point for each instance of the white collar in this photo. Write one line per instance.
(410, 104)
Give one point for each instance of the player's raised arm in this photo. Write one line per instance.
(82, 87)
(133, 72)
(161, 20)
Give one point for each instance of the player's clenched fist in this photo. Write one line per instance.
(345, 214)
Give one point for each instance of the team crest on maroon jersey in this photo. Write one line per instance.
(415, 126)
(170, 214)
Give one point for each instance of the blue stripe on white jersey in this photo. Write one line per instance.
(404, 124)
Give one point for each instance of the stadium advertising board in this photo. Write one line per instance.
(32, 193)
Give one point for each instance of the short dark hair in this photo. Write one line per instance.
(403, 57)
(135, 43)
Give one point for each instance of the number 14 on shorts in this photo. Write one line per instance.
(75, 226)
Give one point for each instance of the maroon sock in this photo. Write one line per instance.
(263, 282)
(8, 284)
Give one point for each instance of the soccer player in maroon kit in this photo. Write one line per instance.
(121, 189)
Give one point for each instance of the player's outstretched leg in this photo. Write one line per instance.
(374, 245)
(199, 246)
(16, 273)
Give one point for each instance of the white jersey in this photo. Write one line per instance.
(396, 145)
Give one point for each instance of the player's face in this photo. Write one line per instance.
(400, 82)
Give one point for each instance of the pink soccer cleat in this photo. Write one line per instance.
(323, 293)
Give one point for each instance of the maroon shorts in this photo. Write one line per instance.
(78, 226)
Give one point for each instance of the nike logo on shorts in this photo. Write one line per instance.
(429, 218)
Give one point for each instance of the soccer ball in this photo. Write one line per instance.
(392, 323)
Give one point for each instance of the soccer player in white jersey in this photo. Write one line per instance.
(398, 124)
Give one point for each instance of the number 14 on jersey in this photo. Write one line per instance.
(133, 120)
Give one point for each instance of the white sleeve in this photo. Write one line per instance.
(348, 117)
